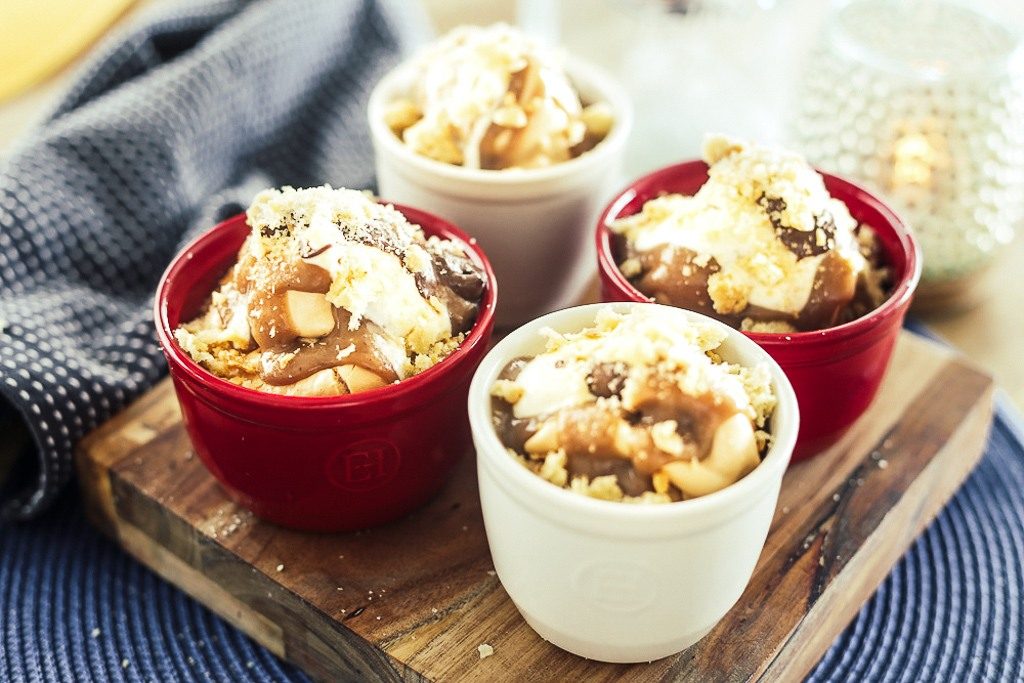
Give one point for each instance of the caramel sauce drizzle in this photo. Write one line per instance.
(312, 356)
(453, 278)
(670, 276)
(588, 432)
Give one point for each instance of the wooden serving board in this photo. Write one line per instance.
(413, 600)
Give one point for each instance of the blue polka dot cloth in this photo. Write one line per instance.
(177, 124)
(169, 129)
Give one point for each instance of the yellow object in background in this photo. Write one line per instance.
(39, 37)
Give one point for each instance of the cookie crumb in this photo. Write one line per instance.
(125, 663)
(280, 567)
(95, 633)
(485, 651)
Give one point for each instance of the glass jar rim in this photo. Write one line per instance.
(841, 39)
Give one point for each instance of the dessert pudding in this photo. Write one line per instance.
(333, 293)
(761, 246)
(675, 405)
(639, 407)
(491, 98)
(517, 144)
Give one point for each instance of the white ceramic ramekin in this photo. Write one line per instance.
(618, 582)
(534, 224)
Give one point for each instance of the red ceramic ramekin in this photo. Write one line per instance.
(835, 372)
(332, 463)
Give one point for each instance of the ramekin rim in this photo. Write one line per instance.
(896, 301)
(735, 495)
(611, 91)
(178, 359)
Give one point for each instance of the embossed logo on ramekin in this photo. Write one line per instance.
(364, 465)
(615, 585)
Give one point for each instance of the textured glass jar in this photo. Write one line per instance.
(924, 103)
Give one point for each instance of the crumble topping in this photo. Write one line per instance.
(492, 98)
(331, 292)
(640, 407)
(762, 239)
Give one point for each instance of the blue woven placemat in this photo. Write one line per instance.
(74, 606)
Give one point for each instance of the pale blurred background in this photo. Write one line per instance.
(691, 66)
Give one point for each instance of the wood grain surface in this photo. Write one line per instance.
(413, 600)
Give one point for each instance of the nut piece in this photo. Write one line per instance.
(717, 147)
(510, 116)
(694, 478)
(360, 379)
(733, 455)
(598, 119)
(734, 449)
(527, 84)
(545, 439)
(401, 114)
(308, 314)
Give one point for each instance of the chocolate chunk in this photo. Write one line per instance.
(456, 281)
(606, 379)
(514, 367)
(806, 243)
(772, 205)
(803, 243)
(273, 230)
(630, 480)
(374, 233)
(461, 313)
(513, 431)
(519, 431)
(458, 272)
(285, 226)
